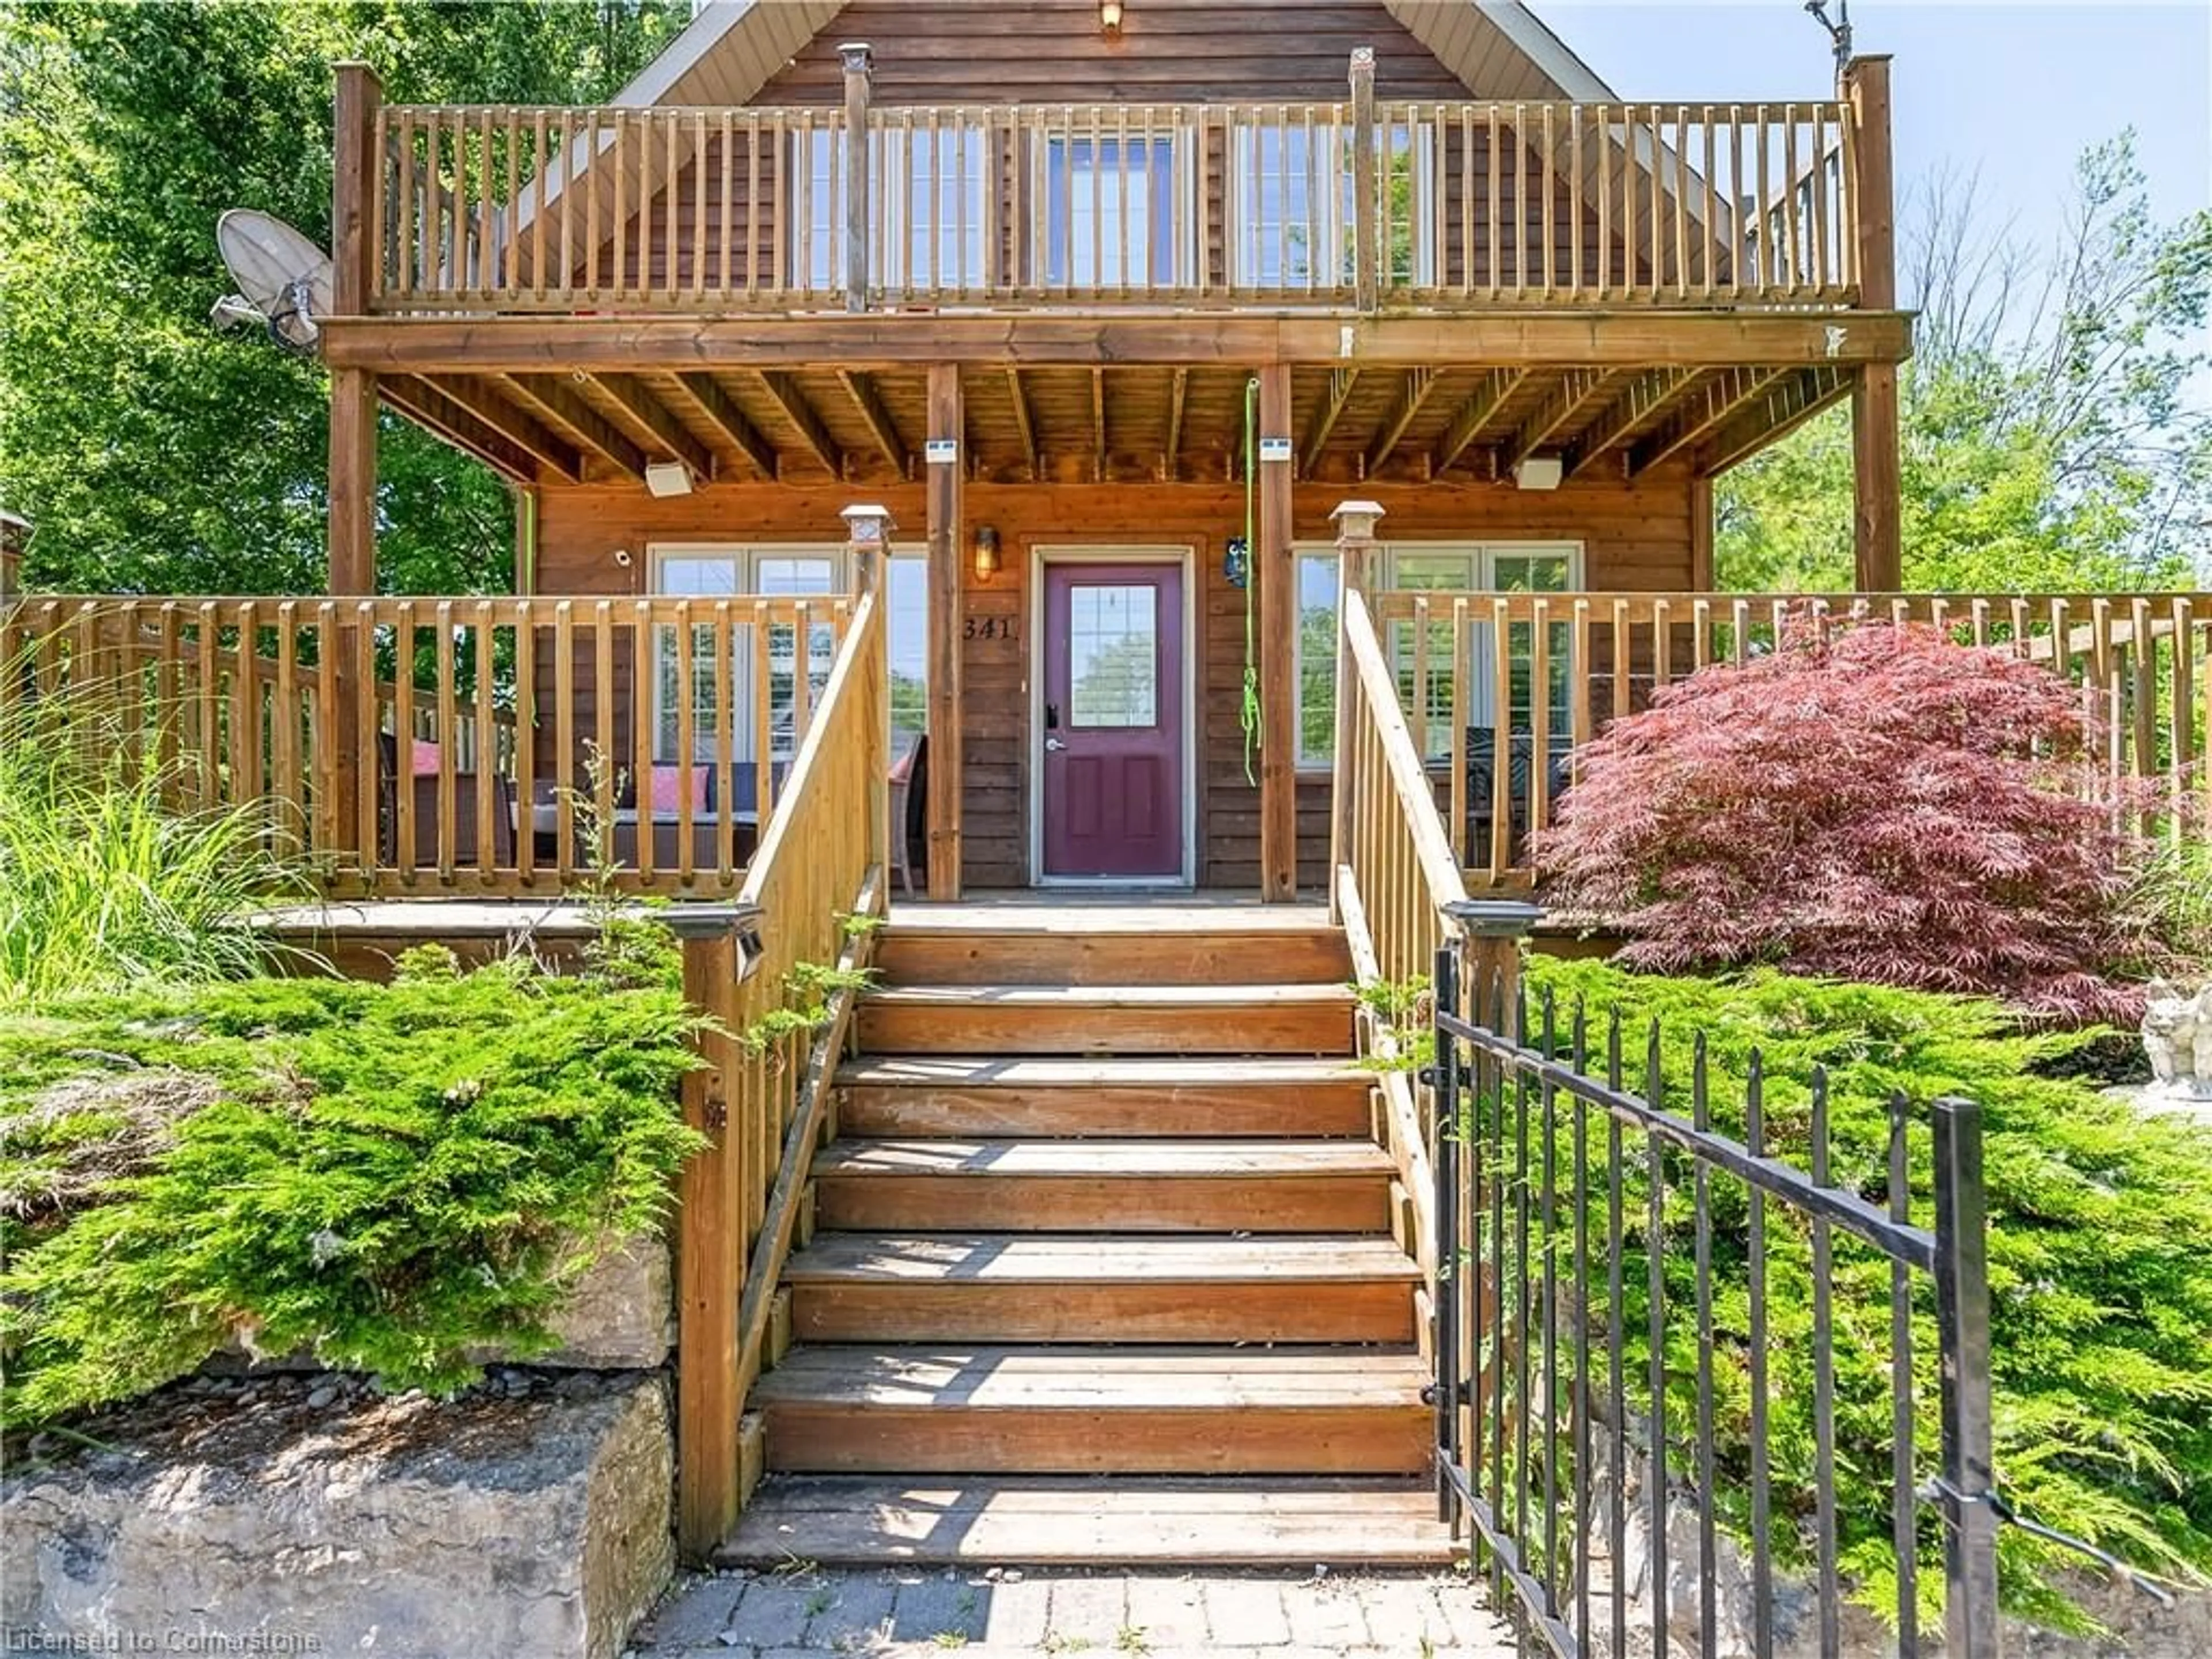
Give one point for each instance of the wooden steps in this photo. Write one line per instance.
(1123, 1186)
(913, 1096)
(1125, 1521)
(1104, 1201)
(1110, 1019)
(1077, 1410)
(1012, 1287)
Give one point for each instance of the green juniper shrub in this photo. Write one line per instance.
(2101, 1270)
(394, 1177)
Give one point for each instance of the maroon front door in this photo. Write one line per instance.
(1113, 726)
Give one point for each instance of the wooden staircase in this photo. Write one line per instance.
(1104, 1267)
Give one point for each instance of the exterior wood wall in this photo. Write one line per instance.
(1634, 536)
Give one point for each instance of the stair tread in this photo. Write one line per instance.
(1111, 996)
(1103, 1159)
(1000, 1377)
(1039, 1521)
(1141, 1072)
(1076, 916)
(1048, 1258)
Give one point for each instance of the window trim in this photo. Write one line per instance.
(1484, 554)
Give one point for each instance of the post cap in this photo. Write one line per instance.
(868, 524)
(857, 54)
(699, 920)
(1496, 918)
(1355, 520)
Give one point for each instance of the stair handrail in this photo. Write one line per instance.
(1395, 885)
(762, 1095)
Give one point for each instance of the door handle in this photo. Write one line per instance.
(1054, 745)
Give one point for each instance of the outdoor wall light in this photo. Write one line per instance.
(986, 552)
(667, 479)
(1539, 472)
(1110, 16)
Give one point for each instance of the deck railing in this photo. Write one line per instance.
(1498, 754)
(504, 745)
(1439, 205)
(1394, 886)
(764, 1097)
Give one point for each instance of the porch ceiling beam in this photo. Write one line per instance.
(1178, 402)
(860, 386)
(721, 410)
(1025, 423)
(565, 409)
(1325, 416)
(496, 411)
(1576, 392)
(1639, 401)
(1787, 403)
(1419, 383)
(637, 400)
(1562, 338)
(430, 407)
(1475, 414)
(1700, 413)
(1099, 425)
(784, 392)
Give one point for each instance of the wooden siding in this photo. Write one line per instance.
(1169, 50)
(1635, 536)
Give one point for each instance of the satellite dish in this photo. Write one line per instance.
(283, 279)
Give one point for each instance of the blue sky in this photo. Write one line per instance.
(2016, 90)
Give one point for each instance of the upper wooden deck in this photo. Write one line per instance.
(1355, 206)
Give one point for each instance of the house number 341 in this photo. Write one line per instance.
(988, 628)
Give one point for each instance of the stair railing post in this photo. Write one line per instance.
(868, 537)
(1355, 553)
(859, 71)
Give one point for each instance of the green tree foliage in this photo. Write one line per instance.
(153, 453)
(2055, 432)
(392, 1177)
(2100, 1268)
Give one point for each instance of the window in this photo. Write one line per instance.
(1109, 207)
(1294, 197)
(1113, 656)
(719, 572)
(927, 225)
(1506, 567)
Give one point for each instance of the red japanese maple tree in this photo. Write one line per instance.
(1878, 803)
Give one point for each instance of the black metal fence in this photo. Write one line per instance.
(1614, 1354)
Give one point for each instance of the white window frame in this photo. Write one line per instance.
(1482, 556)
(745, 558)
(1180, 231)
(899, 258)
(1249, 248)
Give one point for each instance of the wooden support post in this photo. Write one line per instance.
(946, 424)
(860, 67)
(1355, 556)
(1494, 931)
(1878, 532)
(868, 537)
(1701, 534)
(1275, 569)
(711, 1241)
(1367, 241)
(352, 475)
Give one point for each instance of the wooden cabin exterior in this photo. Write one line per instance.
(1438, 256)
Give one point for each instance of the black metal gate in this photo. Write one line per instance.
(1598, 1374)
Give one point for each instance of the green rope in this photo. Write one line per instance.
(1251, 713)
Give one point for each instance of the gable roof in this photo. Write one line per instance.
(732, 48)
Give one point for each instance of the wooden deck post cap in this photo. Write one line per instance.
(1495, 918)
(1355, 520)
(700, 920)
(868, 524)
(858, 57)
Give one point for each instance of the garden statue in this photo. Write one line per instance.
(2177, 1034)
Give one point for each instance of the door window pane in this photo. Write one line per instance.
(1295, 192)
(931, 184)
(1113, 656)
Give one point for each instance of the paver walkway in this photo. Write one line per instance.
(802, 1612)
